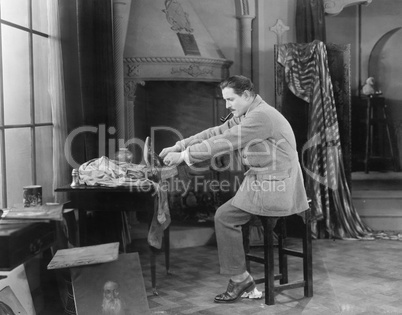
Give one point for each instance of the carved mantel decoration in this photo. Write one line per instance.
(193, 69)
(177, 17)
(334, 7)
(130, 87)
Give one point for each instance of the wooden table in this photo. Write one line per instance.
(19, 242)
(124, 198)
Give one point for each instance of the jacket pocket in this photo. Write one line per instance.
(271, 191)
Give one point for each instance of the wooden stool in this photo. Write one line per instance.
(268, 224)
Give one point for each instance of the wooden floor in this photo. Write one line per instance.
(377, 197)
(350, 277)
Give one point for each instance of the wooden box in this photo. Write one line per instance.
(22, 241)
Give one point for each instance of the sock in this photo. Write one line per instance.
(241, 277)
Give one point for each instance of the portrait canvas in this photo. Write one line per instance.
(9, 303)
(15, 292)
(112, 288)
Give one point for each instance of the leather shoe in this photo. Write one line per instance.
(235, 290)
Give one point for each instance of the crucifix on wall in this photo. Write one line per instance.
(279, 28)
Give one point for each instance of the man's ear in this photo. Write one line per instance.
(247, 93)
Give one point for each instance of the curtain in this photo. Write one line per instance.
(310, 21)
(87, 46)
(307, 76)
(57, 99)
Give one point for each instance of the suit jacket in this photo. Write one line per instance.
(264, 139)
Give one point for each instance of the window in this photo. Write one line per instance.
(25, 111)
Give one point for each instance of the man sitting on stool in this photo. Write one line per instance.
(273, 184)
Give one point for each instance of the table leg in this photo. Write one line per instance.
(153, 269)
(82, 228)
(166, 233)
(153, 251)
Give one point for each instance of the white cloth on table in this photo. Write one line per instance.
(111, 173)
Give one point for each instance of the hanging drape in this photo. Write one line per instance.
(87, 45)
(307, 76)
(57, 100)
(310, 21)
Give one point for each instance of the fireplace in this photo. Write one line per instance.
(168, 55)
(171, 71)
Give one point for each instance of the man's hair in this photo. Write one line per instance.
(111, 283)
(239, 84)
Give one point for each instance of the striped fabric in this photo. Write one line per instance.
(307, 76)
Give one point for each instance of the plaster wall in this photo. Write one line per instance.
(344, 29)
(377, 19)
(267, 14)
(221, 20)
(374, 21)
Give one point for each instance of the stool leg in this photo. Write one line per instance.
(246, 242)
(308, 257)
(283, 259)
(269, 261)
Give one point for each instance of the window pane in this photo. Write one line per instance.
(41, 91)
(44, 162)
(15, 11)
(18, 163)
(2, 204)
(16, 76)
(39, 16)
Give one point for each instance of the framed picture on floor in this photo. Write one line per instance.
(112, 288)
(9, 303)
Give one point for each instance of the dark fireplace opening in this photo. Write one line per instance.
(176, 110)
(187, 107)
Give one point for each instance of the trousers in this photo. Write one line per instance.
(228, 229)
(229, 237)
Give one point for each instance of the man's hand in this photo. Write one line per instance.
(173, 158)
(167, 150)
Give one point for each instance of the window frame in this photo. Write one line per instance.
(33, 125)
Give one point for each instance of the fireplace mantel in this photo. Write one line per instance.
(176, 68)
